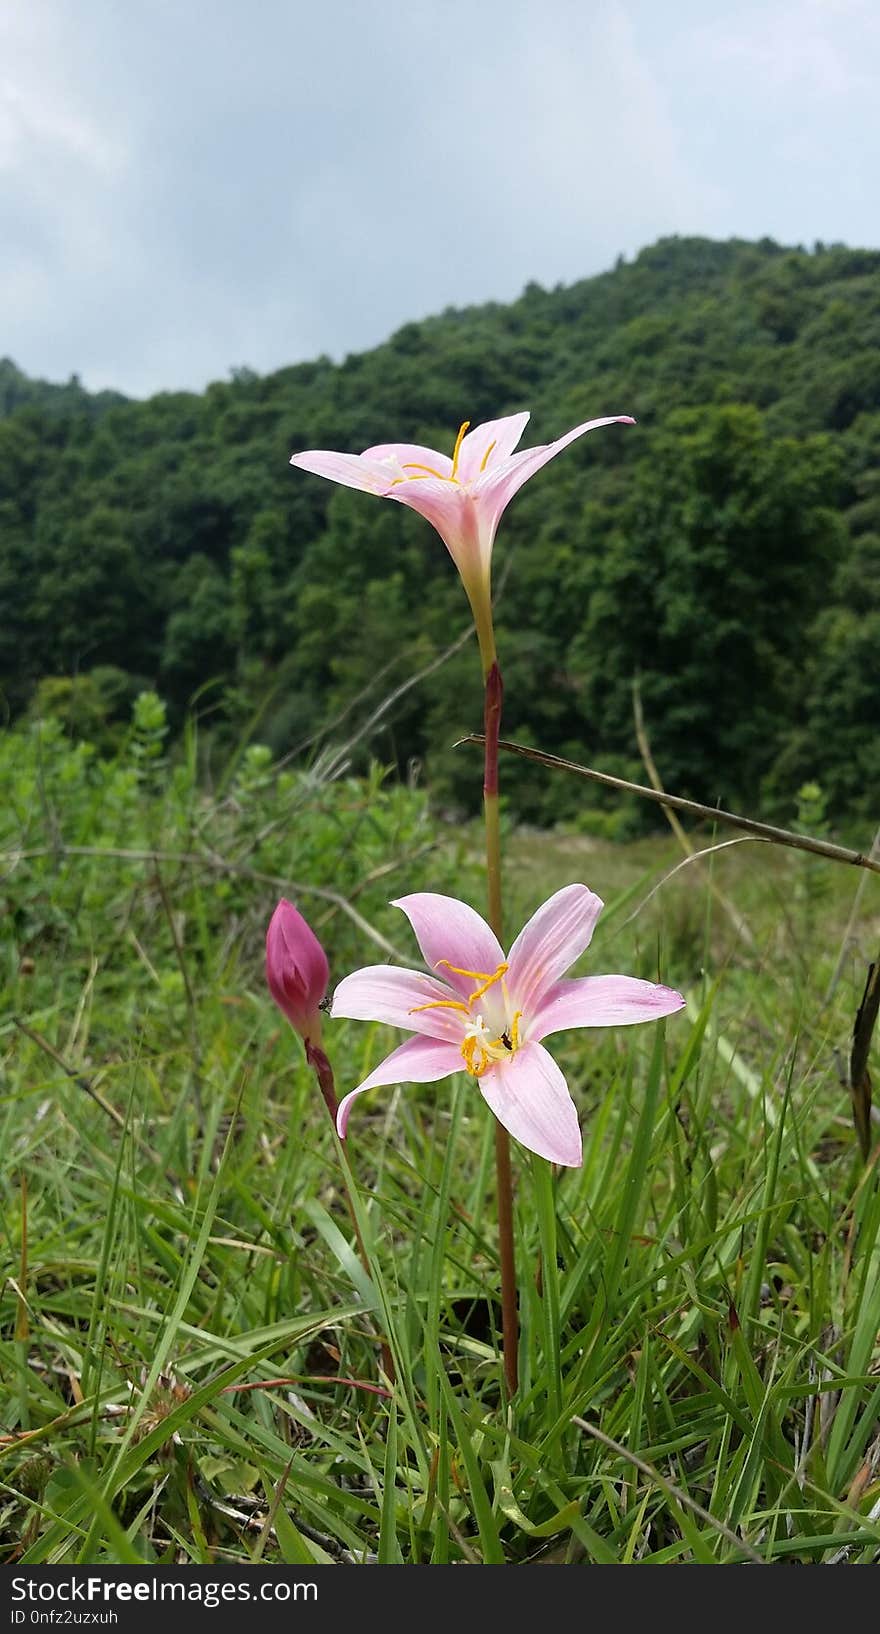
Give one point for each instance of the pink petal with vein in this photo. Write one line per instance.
(410, 454)
(603, 1001)
(492, 442)
(442, 503)
(418, 1061)
(551, 941)
(448, 930)
(451, 510)
(386, 993)
(529, 1095)
(352, 470)
(496, 487)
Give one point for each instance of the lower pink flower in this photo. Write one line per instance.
(487, 1014)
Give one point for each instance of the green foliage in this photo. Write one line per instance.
(189, 1343)
(726, 548)
(93, 838)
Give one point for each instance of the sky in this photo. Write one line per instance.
(188, 187)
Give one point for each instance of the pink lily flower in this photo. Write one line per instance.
(463, 497)
(489, 1013)
(296, 970)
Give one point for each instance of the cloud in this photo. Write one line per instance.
(188, 186)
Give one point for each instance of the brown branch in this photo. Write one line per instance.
(692, 808)
(859, 1076)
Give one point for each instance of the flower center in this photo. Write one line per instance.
(482, 1044)
(420, 472)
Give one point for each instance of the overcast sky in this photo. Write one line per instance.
(189, 185)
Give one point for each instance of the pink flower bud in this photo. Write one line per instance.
(296, 970)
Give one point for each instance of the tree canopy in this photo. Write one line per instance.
(726, 550)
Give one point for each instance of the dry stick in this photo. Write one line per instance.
(78, 1078)
(695, 856)
(693, 808)
(337, 720)
(672, 1491)
(733, 914)
(400, 691)
(335, 764)
(859, 1076)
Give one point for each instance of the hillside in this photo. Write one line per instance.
(727, 549)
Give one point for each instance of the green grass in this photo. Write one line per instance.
(190, 1347)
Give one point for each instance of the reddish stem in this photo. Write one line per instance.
(324, 1073)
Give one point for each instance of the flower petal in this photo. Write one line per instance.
(551, 941)
(487, 445)
(529, 1095)
(450, 933)
(418, 1061)
(410, 454)
(450, 509)
(386, 993)
(602, 1001)
(496, 487)
(352, 470)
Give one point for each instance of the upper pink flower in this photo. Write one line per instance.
(488, 1014)
(296, 970)
(462, 497)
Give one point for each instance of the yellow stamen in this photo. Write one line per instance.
(457, 970)
(468, 1050)
(485, 460)
(457, 449)
(428, 469)
(472, 997)
(514, 1030)
(439, 1004)
(481, 976)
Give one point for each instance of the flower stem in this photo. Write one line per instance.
(324, 1073)
(509, 1315)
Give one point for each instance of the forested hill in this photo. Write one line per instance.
(727, 549)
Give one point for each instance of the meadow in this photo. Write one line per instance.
(196, 1366)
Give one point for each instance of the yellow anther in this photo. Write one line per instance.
(468, 1050)
(457, 449)
(485, 460)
